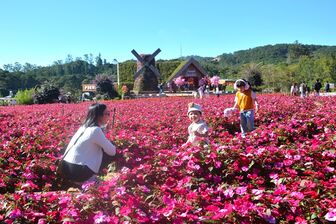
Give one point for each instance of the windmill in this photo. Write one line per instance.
(147, 75)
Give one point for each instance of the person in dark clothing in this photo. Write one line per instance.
(327, 87)
(317, 87)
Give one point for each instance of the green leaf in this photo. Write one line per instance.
(313, 216)
(117, 209)
(251, 164)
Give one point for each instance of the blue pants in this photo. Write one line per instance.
(247, 121)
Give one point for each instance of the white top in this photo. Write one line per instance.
(294, 89)
(88, 149)
(201, 127)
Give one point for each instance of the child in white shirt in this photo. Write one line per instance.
(198, 129)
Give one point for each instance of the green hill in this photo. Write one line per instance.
(274, 54)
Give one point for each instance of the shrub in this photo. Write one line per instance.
(105, 86)
(48, 93)
(25, 96)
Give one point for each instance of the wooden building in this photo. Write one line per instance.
(191, 71)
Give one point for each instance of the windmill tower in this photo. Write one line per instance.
(147, 75)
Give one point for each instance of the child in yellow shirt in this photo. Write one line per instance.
(246, 102)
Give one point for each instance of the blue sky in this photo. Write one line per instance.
(43, 31)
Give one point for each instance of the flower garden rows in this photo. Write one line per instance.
(283, 172)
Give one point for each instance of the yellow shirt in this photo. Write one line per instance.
(245, 99)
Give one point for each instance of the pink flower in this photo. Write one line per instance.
(241, 190)
(212, 208)
(274, 176)
(218, 164)
(121, 190)
(154, 217)
(15, 213)
(87, 185)
(257, 191)
(229, 193)
(168, 201)
(168, 211)
(281, 189)
(215, 80)
(331, 215)
(64, 200)
(29, 185)
(125, 210)
(101, 218)
(42, 221)
(73, 212)
(243, 206)
(222, 212)
(191, 165)
(179, 81)
(191, 196)
(297, 195)
(145, 189)
(297, 157)
(288, 162)
(300, 220)
(329, 169)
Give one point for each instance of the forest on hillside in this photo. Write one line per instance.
(272, 67)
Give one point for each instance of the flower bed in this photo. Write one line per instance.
(283, 172)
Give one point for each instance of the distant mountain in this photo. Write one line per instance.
(268, 54)
(273, 54)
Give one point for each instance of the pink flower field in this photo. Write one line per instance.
(283, 172)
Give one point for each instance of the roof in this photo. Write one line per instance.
(183, 66)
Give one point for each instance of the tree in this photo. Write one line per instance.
(69, 58)
(47, 93)
(28, 81)
(8, 67)
(99, 61)
(25, 97)
(9, 81)
(305, 70)
(269, 76)
(252, 73)
(325, 68)
(105, 86)
(297, 50)
(91, 59)
(28, 67)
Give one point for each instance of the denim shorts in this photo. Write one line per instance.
(247, 121)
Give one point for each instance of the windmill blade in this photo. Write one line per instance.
(156, 72)
(138, 56)
(153, 55)
(156, 52)
(138, 72)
